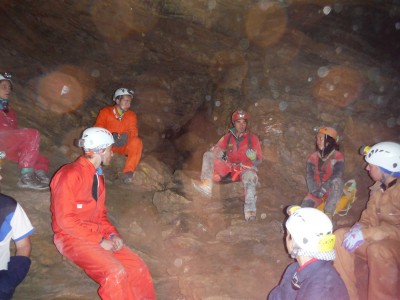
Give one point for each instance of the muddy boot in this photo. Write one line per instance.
(204, 187)
(42, 177)
(30, 181)
(250, 216)
(127, 177)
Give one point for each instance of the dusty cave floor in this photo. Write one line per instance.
(195, 248)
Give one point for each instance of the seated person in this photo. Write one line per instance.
(324, 172)
(82, 231)
(21, 144)
(375, 239)
(15, 225)
(236, 155)
(309, 240)
(122, 122)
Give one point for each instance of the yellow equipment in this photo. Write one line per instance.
(346, 201)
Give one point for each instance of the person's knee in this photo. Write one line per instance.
(307, 203)
(380, 250)
(249, 177)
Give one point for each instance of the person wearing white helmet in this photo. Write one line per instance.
(122, 122)
(82, 231)
(21, 144)
(309, 240)
(374, 241)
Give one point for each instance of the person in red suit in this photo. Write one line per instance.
(82, 231)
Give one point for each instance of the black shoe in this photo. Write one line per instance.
(30, 181)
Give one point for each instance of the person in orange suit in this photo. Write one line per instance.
(373, 243)
(122, 122)
(82, 231)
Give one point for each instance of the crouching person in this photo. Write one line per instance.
(82, 231)
(310, 241)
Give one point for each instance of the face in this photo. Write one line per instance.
(320, 140)
(124, 103)
(375, 172)
(107, 154)
(5, 89)
(240, 125)
(289, 242)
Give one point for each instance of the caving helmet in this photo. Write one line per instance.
(239, 115)
(311, 231)
(329, 131)
(6, 76)
(385, 155)
(121, 92)
(95, 138)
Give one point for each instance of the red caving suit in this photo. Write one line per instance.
(80, 222)
(21, 144)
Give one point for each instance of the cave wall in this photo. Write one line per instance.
(293, 65)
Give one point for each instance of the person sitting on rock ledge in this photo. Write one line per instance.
(235, 157)
(15, 225)
(21, 144)
(82, 231)
(324, 172)
(122, 122)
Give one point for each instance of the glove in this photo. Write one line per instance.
(120, 139)
(354, 238)
(251, 154)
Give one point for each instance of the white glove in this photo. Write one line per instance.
(251, 154)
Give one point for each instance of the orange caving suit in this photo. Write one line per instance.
(80, 222)
(127, 124)
(381, 250)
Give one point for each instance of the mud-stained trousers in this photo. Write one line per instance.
(122, 275)
(333, 195)
(214, 169)
(133, 150)
(22, 146)
(383, 260)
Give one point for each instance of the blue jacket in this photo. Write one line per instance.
(318, 280)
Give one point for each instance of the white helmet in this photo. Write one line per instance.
(96, 138)
(311, 231)
(122, 92)
(5, 76)
(385, 155)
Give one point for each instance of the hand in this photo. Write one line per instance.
(251, 154)
(118, 242)
(120, 139)
(107, 245)
(354, 238)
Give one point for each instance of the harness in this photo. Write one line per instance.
(229, 138)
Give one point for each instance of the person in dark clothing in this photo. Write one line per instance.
(310, 241)
(14, 225)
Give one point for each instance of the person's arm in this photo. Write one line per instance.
(312, 185)
(337, 172)
(23, 247)
(130, 124)
(101, 120)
